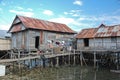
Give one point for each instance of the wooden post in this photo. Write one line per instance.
(95, 77)
(51, 62)
(29, 59)
(81, 61)
(24, 62)
(43, 63)
(81, 74)
(117, 61)
(69, 59)
(94, 59)
(74, 57)
(11, 54)
(19, 59)
(35, 62)
(64, 60)
(13, 67)
(57, 61)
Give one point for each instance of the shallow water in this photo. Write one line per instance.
(64, 73)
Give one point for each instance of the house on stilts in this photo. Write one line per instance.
(103, 40)
(31, 33)
(103, 37)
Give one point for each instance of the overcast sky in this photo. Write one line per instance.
(77, 14)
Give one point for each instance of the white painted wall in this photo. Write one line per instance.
(2, 70)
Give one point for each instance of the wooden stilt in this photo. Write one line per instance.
(11, 55)
(74, 57)
(51, 62)
(69, 59)
(35, 63)
(117, 61)
(64, 60)
(81, 61)
(94, 59)
(43, 63)
(24, 63)
(13, 67)
(57, 61)
(19, 59)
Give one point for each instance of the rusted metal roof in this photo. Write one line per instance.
(101, 31)
(16, 28)
(108, 31)
(32, 23)
(87, 33)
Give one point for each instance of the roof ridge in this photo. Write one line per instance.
(40, 19)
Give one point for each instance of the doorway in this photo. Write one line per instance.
(37, 42)
(86, 42)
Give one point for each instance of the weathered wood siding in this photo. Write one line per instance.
(5, 44)
(19, 40)
(44, 37)
(100, 43)
(26, 39)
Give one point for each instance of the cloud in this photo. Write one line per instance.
(78, 2)
(104, 18)
(25, 13)
(48, 12)
(63, 20)
(87, 21)
(110, 19)
(29, 9)
(95, 21)
(4, 26)
(74, 13)
(71, 22)
(19, 8)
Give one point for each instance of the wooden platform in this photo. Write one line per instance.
(34, 57)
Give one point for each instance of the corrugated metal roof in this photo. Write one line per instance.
(108, 31)
(101, 31)
(43, 25)
(87, 33)
(16, 28)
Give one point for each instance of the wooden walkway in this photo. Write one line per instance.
(34, 57)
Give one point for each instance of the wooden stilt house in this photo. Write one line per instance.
(31, 33)
(103, 37)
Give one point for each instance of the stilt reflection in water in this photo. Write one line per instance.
(64, 73)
